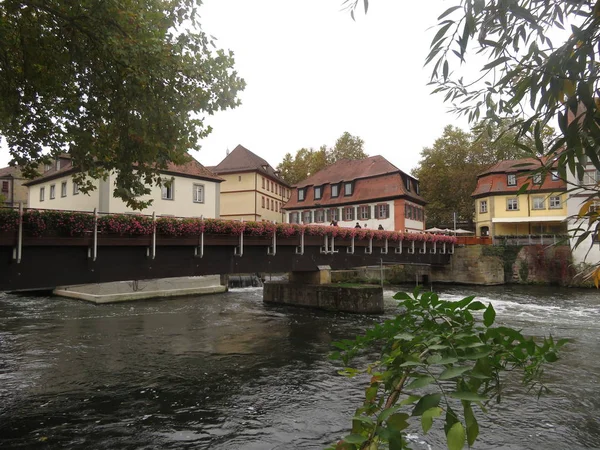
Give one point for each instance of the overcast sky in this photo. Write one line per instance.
(313, 73)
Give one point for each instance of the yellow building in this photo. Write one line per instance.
(501, 211)
(252, 189)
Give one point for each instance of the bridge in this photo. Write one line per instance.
(43, 250)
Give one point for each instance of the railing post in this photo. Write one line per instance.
(272, 250)
(398, 250)
(300, 248)
(369, 249)
(412, 247)
(199, 250)
(18, 252)
(94, 250)
(239, 250)
(443, 251)
(153, 255)
(424, 249)
(434, 249)
(333, 250)
(384, 250)
(350, 250)
(325, 248)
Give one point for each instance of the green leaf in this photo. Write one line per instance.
(404, 337)
(476, 306)
(453, 372)
(364, 419)
(426, 402)
(428, 416)
(468, 396)
(419, 382)
(456, 437)
(471, 422)
(355, 439)
(410, 399)
(489, 316)
(551, 357)
(402, 296)
(398, 422)
(448, 12)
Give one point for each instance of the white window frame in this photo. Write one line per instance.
(555, 176)
(42, 194)
(337, 190)
(75, 188)
(383, 211)
(537, 178)
(305, 215)
(365, 212)
(590, 177)
(348, 187)
(198, 188)
(555, 202)
(407, 183)
(301, 195)
(537, 206)
(511, 179)
(168, 190)
(63, 189)
(349, 213)
(320, 215)
(483, 207)
(318, 192)
(52, 191)
(510, 202)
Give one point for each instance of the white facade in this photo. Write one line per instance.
(372, 223)
(587, 251)
(187, 196)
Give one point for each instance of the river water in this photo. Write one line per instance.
(227, 372)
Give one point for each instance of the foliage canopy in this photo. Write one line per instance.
(306, 162)
(117, 84)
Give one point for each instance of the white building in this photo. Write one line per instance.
(193, 191)
(371, 192)
(588, 251)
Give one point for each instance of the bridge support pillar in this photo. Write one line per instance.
(320, 276)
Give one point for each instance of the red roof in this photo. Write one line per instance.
(243, 160)
(348, 170)
(375, 179)
(192, 168)
(495, 179)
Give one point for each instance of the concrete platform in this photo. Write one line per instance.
(122, 291)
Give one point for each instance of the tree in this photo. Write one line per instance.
(120, 85)
(437, 359)
(347, 147)
(448, 170)
(309, 161)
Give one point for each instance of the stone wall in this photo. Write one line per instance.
(539, 264)
(355, 299)
(469, 266)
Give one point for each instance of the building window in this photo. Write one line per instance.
(276, 206)
(537, 178)
(63, 189)
(167, 191)
(335, 190)
(555, 202)
(239, 178)
(512, 204)
(75, 188)
(263, 182)
(333, 214)
(300, 195)
(52, 191)
(272, 205)
(47, 167)
(349, 213)
(318, 192)
(383, 211)
(198, 193)
(511, 179)
(58, 164)
(555, 176)
(407, 184)
(263, 202)
(538, 203)
(320, 215)
(42, 194)
(364, 212)
(483, 206)
(590, 177)
(348, 188)
(417, 188)
(307, 217)
(5, 187)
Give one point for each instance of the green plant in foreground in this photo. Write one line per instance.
(438, 359)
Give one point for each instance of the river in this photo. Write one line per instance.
(227, 372)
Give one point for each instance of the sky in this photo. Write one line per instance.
(313, 73)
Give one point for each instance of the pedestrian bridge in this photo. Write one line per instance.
(46, 249)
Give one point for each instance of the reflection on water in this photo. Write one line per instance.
(227, 372)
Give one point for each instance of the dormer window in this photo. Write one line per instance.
(47, 167)
(300, 195)
(407, 183)
(348, 188)
(417, 188)
(318, 192)
(335, 190)
(537, 178)
(511, 179)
